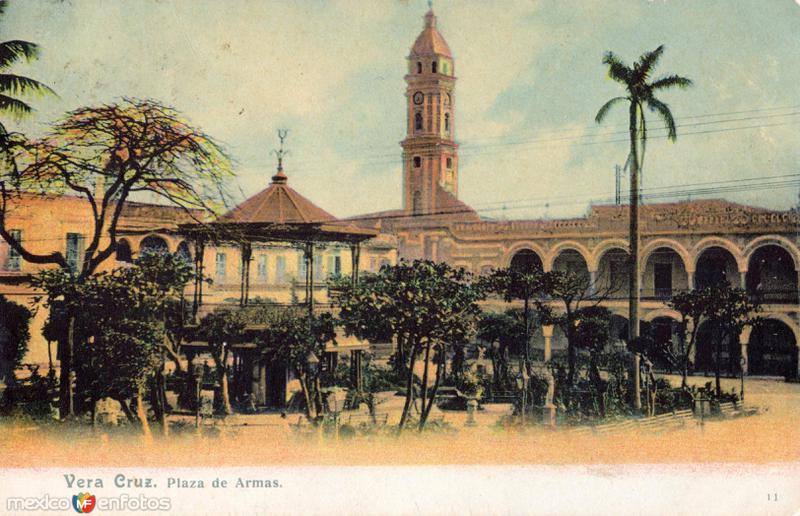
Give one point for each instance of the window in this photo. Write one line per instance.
(617, 274)
(14, 262)
(221, 265)
(75, 243)
(419, 66)
(444, 67)
(318, 272)
(447, 123)
(417, 203)
(334, 265)
(280, 269)
(301, 266)
(183, 252)
(417, 162)
(449, 162)
(124, 251)
(662, 279)
(418, 121)
(262, 267)
(433, 67)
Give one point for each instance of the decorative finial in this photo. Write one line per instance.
(430, 18)
(280, 177)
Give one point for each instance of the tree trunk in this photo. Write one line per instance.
(401, 354)
(94, 413)
(66, 394)
(222, 372)
(318, 395)
(141, 412)
(633, 258)
(527, 350)
(424, 395)
(409, 386)
(126, 409)
(427, 409)
(161, 391)
(717, 364)
(306, 395)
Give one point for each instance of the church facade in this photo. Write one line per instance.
(684, 245)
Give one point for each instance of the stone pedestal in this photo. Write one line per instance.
(547, 333)
(549, 415)
(472, 406)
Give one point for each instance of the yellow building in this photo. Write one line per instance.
(46, 224)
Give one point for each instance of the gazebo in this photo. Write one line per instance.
(277, 214)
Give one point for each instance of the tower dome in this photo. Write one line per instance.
(430, 41)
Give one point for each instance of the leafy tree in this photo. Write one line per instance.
(592, 331)
(729, 311)
(104, 155)
(293, 339)
(15, 321)
(122, 342)
(692, 306)
(572, 291)
(222, 329)
(640, 92)
(526, 286)
(725, 309)
(427, 306)
(504, 332)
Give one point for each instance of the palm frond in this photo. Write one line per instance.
(19, 85)
(617, 69)
(669, 81)
(12, 51)
(601, 114)
(14, 107)
(663, 110)
(647, 62)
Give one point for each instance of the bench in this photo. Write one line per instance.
(378, 420)
(662, 422)
(729, 409)
(580, 430)
(684, 416)
(613, 427)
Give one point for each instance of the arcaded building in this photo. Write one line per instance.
(683, 245)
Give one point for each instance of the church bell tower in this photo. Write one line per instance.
(430, 153)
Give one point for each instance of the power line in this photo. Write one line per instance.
(564, 141)
(468, 146)
(586, 131)
(662, 192)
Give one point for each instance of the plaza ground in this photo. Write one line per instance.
(248, 440)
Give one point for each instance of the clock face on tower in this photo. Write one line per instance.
(418, 98)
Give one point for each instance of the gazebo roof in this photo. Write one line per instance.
(279, 214)
(277, 204)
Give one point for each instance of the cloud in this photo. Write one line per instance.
(333, 74)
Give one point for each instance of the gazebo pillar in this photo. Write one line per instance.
(309, 258)
(356, 355)
(199, 251)
(355, 257)
(247, 253)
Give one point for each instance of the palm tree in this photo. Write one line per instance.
(639, 93)
(12, 86)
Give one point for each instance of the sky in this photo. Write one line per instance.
(530, 81)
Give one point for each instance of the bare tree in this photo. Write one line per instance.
(106, 154)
